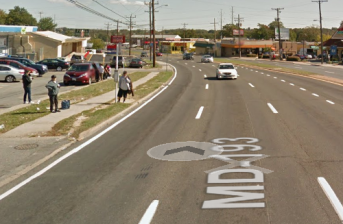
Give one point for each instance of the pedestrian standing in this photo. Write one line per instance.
(124, 86)
(53, 88)
(107, 72)
(27, 80)
(101, 72)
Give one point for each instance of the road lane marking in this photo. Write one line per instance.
(199, 113)
(251, 85)
(335, 202)
(329, 72)
(185, 63)
(205, 76)
(213, 65)
(200, 70)
(330, 102)
(303, 89)
(251, 70)
(268, 75)
(298, 67)
(150, 212)
(272, 108)
(315, 94)
(262, 73)
(206, 86)
(256, 71)
(83, 145)
(291, 84)
(193, 66)
(275, 77)
(283, 80)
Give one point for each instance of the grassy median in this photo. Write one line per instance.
(30, 113)
(264, 66)
(93, 117)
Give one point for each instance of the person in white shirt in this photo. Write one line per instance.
(101, 72)
(124, 86)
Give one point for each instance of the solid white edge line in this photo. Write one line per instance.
(272, 108)
(199, 113)
(251, 85)
(315, 94)
(150, 212)
(206, 86)
(303, 89)
(330, 102)
(80, 147)
(335, 202)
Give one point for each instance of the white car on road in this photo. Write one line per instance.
(10, 74)
(226, 70)
(207, 58)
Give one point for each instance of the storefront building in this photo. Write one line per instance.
(230, 47)
(176, 47)
(335, 45)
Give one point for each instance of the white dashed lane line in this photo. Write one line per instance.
(335, 202)
(275, 77)
(283, 81)
(193, 66)
(316, 95)
(150, 212)
(268, 75)
(262, 73)
(272, 108)
(200, 70)
(199, 113)
(330, 102)
(252, 85)
(330, 72)
(291, 84)
(206, 86)
(303, 89)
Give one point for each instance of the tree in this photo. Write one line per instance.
(274, 25)
(97, 43)
(46, 23)
(20, 16)
(263, 32)
(228, 30)
(3, 16)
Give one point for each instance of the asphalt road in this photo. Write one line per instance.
(334, 71)
(296, 120)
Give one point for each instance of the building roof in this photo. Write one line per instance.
(158, 36)
(59, 37)
(338, 43)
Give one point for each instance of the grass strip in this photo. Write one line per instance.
(265, 66)
(100, 114)
(30, 113)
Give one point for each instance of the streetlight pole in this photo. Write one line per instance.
(153, 34)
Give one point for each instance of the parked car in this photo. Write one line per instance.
(62, 58)
(136, 63)
(144, 54)
(18, 65)
(57, 64)
(121, 62)
(42, 69)
(159, 54)
(77, 59)
(10, 74)
(226, 70)
(308, 56)
(188, 56)
(84, 73)
(206, 58)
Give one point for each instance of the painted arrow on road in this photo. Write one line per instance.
(185, 149)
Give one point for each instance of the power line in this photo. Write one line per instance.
(108, 9)
(278, 24)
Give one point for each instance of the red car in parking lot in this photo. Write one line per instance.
(84, 73)
(159, 54)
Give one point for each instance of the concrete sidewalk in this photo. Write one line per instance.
(44, 124)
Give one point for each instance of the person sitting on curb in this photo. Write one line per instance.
(53, 88)
(124, 86)
(27, 79)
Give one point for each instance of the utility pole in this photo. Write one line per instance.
(221, 24)
(130, 32)
(278, 24)
(321, 27)
(117, 28)
(153, 33)
(232, 15)
(40, 15)
(162, 31)
(215, 36)
(108, 30)
(184, 36)
(239, 20)
(150, 30)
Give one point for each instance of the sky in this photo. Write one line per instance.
(196, 14)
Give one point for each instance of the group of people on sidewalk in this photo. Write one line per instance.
(104, 72)
(125, 87)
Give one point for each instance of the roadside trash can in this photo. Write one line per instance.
(65, 104)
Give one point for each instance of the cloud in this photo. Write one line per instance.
(126, 2)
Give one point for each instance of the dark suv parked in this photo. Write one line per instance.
(42, 69)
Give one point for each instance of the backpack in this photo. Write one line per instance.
(65, 104)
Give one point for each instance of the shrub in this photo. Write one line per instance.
(251, 55)
(293, 58)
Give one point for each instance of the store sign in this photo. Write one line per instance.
(284, 32)
(117, 39)
(236, 32)
(180, 44)
(333, 50)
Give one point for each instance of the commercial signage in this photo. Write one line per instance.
(81, 32)
(235, 32)
(333, 50)
(117, 39)
(284, 32)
